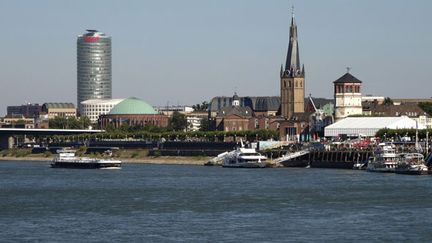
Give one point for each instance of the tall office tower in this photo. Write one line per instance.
(93, 67)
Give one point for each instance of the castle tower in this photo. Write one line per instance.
(292, 83)
(348, 98)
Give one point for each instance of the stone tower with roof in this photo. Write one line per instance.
(292, 85)
(347, 95)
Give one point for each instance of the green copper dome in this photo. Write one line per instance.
(132, 106)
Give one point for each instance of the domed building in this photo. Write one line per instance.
(134, 112)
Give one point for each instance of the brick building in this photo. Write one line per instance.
(133, 112)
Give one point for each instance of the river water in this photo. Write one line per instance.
(178, 203)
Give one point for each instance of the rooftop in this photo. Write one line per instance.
(132, 106)
(347, 78)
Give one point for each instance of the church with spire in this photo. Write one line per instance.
(293, 121)
(292, 78)
(289, 114)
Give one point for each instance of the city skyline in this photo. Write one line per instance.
(188, 52)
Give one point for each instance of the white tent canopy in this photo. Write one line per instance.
(368, 126)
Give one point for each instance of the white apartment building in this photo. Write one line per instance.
(93, 108)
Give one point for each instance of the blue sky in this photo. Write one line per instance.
(185, 52)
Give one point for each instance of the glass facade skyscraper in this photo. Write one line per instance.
(93, 66)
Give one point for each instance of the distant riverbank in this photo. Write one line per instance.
(136, 156)
(169, 160)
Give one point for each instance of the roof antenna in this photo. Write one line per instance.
(292, 10)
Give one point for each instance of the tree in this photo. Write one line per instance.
(85, 122)
(58, 123)
(201, 107)
(178, 121)
(69, 123)
(388, 101)
(426, 107)
(204, 124)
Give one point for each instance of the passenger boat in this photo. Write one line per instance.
(412, 164)
(244, 158)
(67, 159)
(385, 159)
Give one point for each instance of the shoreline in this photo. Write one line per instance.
(168, 160)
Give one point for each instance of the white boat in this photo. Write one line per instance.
(385, 159)
(67, 159)
(412, 164)
(244, 158)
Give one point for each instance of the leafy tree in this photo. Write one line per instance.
(204, 124)
(178, 121)
(426, 107)
(201, 107)
(69, 123)
(85, 122)
(58, 123)
(388, 101)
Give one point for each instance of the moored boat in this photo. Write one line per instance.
(385, 159)
(412, 164)
(244, 158)
(67, 159)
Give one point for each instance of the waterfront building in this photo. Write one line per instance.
(17, 121)
(260, 105)
(93, 66)
(169, 110)
(27, 110)
(53, 110)
(409, 109)
(404, 109)
(368, 126)
(321, 111)
(424, 121)
(292, 77)
(235, 117)
(347, 95)
(95, 107)
(133, 112)
(293, 123)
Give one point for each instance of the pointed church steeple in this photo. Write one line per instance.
(292, 83)
(292, 66)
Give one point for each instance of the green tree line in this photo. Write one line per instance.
(388, 133)
(262, 134)
(69, 123)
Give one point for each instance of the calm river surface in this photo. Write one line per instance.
(178, 203)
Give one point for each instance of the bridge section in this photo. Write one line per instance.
(8, 135)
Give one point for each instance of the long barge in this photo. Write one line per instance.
(67, 159)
